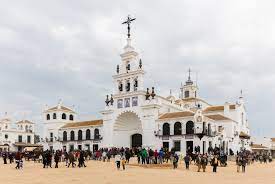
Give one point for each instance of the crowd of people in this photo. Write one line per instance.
(214, 157)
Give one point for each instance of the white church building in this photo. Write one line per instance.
(137, 116)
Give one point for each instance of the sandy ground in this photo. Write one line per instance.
(98, 172)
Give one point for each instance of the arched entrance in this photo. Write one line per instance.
(127, 130)
(136, 141)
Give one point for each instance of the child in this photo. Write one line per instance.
(123, 161)
(117, 160)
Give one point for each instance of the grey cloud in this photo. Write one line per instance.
(69, 50)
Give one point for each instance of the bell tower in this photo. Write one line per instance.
(189, 89)
(129, 74)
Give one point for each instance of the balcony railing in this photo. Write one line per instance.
(198, 133)
(94, 139)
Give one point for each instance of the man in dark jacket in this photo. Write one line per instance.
(215, 163)
(4, 155)
(81, 160)
(187, 161)
(56, 159)
(17, 160)
(71, 159)
(243, 162)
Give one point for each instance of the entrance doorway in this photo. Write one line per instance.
(127, 130)
(165, 145)
(95, 147)
(136, 140)
(189, 146)
(177, 146)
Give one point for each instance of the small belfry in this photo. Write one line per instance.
(190, 89)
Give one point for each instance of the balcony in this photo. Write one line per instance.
(190, 135)
(95, 139)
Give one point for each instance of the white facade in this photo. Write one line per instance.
(17, 136)
(135, 116)
(54, 118)
(132, 113)
(85, 135)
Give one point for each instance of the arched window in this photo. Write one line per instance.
(96, 134)
(128, 67)
(64, 136)
(120, 86)
(177, 128)
(48, 117)
(166, 129)
(54, 115)
(128, 85)
(135, 84)
(64, 116)
(71, 117)
(190, 127)
(88, 134)
(72, 136)
(80, 135)
(26, 128)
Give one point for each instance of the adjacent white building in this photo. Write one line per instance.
(16, 136)
(138, 116)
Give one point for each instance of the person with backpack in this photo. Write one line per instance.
(175, 161)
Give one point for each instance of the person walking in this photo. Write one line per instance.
(104, 155)
(198, 162)
(117, 160)
(160, 156)
(49, 159)
(17, 160)
(203, 162)
(71, 159)
(243, 163)
(4, 155)
(215, 163)
(238, 163)
(81, 160)
(44, 160)
(123, 162)
(11, 157)
(175, 161)
(155, 156)
(66, 158)
(56, 159)
(143, 156)
(187, 161)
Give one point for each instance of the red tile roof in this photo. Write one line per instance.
(176, 115)
(83, 124)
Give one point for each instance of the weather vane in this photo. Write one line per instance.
(128, 22)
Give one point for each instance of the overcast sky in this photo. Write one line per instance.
(67, 49)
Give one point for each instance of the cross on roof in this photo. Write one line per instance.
(128, 22)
